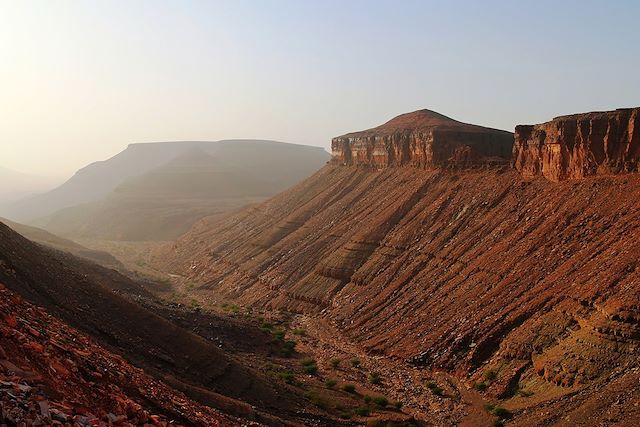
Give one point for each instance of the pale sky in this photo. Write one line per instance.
(79, 80)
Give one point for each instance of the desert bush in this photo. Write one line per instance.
(398, 404)
(288, 348)
(490, 375)
(335, 363)
(300, 332)
(311, 369)
(278, 335)
(434, 388)
(307, 361)
(355, 362)
(381, 401)
(374, 378)
(330, 383)
(524, 393)
(489, 407)
(479, 386)
(501, 412)
(349, 388)
(288, 377)
(363, 411)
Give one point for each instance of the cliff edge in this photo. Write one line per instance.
(424, 139)
(579, 145)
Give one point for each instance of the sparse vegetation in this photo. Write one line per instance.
(330, 383)
(363, 411)
(398, 405)
(501, 412)
(317, 399)
(479, 386)
(300, 332)
(435, 389)
(489, 407)
(278, 335)
(335, 363)
(367, 399)
(374, 378)
(311, 369)
(490, 375)
(524, 393)
(349, 388)
(355, 362)
(381, 401)
(307, 361)
(288, 348)
(288, 377)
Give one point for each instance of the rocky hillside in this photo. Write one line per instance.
(51, 374)
(97, 302)
(573, 147)
(43, 237)
(520, 285)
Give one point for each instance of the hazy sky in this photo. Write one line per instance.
(79, 80)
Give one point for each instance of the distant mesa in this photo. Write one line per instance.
(156, 191)
(424, 139)
(579, 145)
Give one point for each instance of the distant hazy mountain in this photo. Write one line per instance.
(15, 185)
(173, 185)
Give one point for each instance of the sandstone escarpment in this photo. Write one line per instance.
(423, 139)
(534, 285)
(576, 146)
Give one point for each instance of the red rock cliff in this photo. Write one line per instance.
(576, 146)
(424, 139)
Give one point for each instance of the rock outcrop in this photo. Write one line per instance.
(51, 374)
(580, 145)
(423, 139)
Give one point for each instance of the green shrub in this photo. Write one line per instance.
(288, 348)
(398, 404)
(330, 383)
(479, 386)
(490, 375)
(524, 393)
(437, 391)
(355, 362)
(307, 361)
(381, 401)
(278, 335)
(431, 385)
(367, 399)
(501, 412)
(288, 377)
(489, 407)
(311, 369)
(374, 378)
(334, 363)
(363, 411)
(300, 332)
(349, 388)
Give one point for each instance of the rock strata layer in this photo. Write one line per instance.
(580, 145)
(424, 139)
